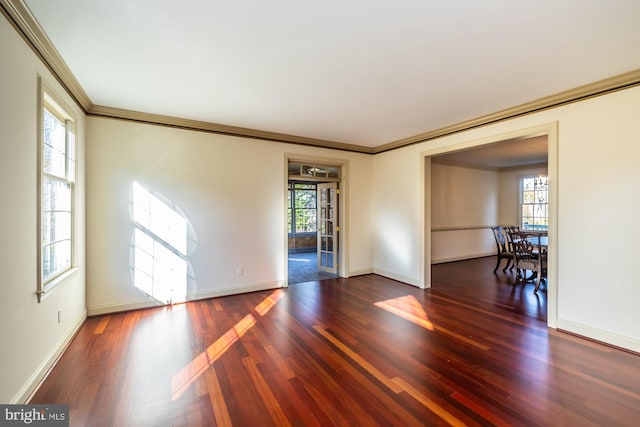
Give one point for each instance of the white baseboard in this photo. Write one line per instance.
(191, 296)
(125, 306)
(41, 371)
(395, 276)
(234, 290)
(599, 335)
(462, 258)
(359, 272)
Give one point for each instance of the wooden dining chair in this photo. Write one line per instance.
(528, 256)
(504, 248)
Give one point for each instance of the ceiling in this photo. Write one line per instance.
(360, 73)
(511, 153)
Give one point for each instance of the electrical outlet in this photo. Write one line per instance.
(240, 271)
(59, 316)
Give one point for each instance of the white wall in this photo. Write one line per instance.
(464, 204)
(598, 204)
(397, 214)
(232, 190)
(30, 335)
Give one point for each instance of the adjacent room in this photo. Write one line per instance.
(223, 213)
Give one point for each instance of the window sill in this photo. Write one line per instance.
(52, 284)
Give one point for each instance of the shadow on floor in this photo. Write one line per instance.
(303, 268)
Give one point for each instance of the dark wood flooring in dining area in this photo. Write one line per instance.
(473, 350)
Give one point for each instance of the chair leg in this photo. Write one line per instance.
(497, 264)
(504, 270)
(538, 279)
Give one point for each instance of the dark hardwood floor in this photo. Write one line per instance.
(473, 350)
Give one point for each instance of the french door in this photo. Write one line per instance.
(328, 227)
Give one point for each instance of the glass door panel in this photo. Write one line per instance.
(327, 229)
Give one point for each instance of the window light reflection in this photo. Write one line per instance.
(409, 308)
(199, 365)
(160, 267)
(190, 373)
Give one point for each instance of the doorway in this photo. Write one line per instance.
(312, 222)
(549, 130)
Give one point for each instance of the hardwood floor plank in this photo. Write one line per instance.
(428, 403)
(217, 400)
(271, 403)
(369, 351)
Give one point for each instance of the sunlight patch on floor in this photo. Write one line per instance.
(201, 363)
(409, 308)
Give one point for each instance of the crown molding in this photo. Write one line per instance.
(20, 16)
(460, 164)
(447, 162)
(176, 122)
(601, 87)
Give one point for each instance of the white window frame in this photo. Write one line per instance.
(521, 197)
(49, 100)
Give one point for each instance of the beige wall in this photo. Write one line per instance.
(233, 193)
(598, 176)
(464, 203)
(30, 335)
(509, 190)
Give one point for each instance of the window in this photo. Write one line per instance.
(57, 178)
(302, 208)
(534, 203)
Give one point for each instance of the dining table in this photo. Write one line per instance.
(538, 239)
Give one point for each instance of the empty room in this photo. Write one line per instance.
(440, 168)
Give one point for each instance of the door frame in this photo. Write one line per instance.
(549, 129)
(343, 199)
(335, 228)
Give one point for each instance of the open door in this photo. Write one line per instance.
(328, 227)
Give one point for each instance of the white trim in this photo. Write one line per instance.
(343, 209)
(599, 335)
(34, 381)
(359, 273)
(424, 251)
(191, 296)
(395, 276)
(49, 286)
(551, 130)
(462, 258)
(125, 306)
(49, 99)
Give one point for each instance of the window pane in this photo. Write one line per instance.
(56, 226)
(542, 196)
(305, 220)
(54, 150)
(56, 195)
(56, 258)
(303, 208)
(528, 197)
(527, 184)
(535, 203)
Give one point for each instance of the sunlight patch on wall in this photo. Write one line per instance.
(159, 265)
